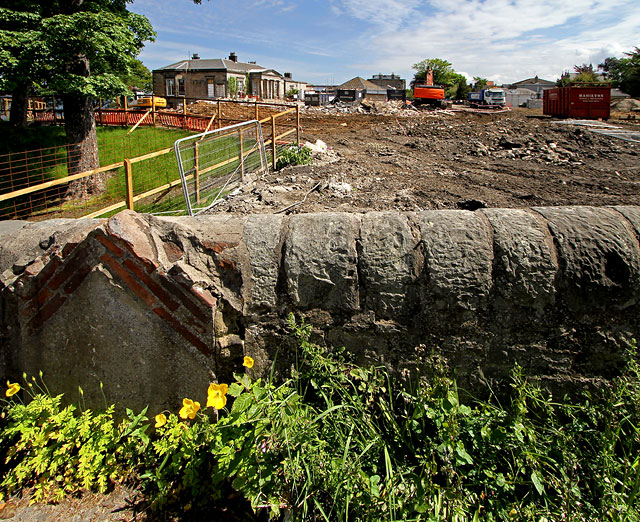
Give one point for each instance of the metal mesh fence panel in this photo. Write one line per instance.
(213, 163)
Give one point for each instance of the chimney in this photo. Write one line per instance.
(195, 56)
(287, 75)
(233, 57)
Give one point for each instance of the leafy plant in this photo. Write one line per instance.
(59, 449)
(293, 155)
(338, 441)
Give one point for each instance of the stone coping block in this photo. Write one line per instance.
(184, 299)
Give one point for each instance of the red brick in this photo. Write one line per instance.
(77, 278)
(115, 249)
(175, 291)
(69, 268)
(196, 325)
(178, 327)
(46, 312)
(173, 251)
(204, 296)
(152, 285)
(218, 246)
(49, 269)
(68, 248)
(149, 266)
(128, 279)
(42, 296)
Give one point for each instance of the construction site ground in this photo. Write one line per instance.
(411, 161)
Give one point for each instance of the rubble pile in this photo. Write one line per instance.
(363, 107)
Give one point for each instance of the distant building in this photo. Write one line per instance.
(534, 84)
(519, 97)
(358, 88)
(388, 81)
(209, 79)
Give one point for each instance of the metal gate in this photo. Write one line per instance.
(211, 164)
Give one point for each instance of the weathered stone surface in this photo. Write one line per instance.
(458, 258)
(106, 334)
(156, 307)
(320, 261)
(632, 214)
(263, 238)
(599, 257)
(525, 263)
(22, 241)
(386, 262)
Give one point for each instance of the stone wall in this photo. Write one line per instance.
(155, 308)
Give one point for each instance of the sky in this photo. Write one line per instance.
(332, 41)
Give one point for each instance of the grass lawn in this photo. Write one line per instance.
(38, 154)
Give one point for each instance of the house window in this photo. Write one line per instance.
(180, 86)
(170, 86)
(210, 87)
(241, 85)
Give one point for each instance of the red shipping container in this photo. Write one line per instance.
(577, 102)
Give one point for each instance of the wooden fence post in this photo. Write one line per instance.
(257, 110)
(241, 157)
(273, 141)
(196, 173)
(184, 113)
(153, 108)
(219, 115)
(126, 117)
(100, 110)
(129, 179)
(298, 125)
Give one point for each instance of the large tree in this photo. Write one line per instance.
(443, 72)
(70, 48)
(624, 72)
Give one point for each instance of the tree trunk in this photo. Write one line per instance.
(19, 105)
(82, 140)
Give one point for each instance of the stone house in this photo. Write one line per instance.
(209, 79)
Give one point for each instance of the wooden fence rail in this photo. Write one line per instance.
(277, 127)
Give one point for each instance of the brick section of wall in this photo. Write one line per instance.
(190, 314)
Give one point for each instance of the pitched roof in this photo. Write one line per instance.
(216, 64)
(533, 81)
(360, 84)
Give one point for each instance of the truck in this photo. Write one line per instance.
(488, 98)
(425, 93)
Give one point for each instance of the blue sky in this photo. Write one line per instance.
(332, 41)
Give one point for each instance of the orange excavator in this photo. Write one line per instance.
(425, 93)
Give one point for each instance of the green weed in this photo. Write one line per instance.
(338, 441)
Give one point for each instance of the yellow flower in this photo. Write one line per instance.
(13, 388)
(189, 409)
(217, 396)
(161, 420)
(248, 362)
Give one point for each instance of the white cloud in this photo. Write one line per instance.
(506, 40)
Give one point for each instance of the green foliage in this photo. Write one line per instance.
(338, 441)
(479, 83)
(59, 450)
(138, 76)
(232, 85)
(624, 72)
(42, 43)
(293, 155)
(443, 72)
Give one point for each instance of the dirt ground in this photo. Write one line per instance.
(411, 161)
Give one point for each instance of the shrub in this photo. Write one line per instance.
(293, 155)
